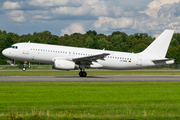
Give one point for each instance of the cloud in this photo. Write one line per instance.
(155, 6)
(17, 16)
(73, 28)
(106, 23)
(104, 16)
(16, 13)
(42, 17)
(121, 23)
(18, 19)
(101, 21)
(72, 11)
(11, 5)
(48, 3)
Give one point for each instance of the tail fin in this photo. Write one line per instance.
(160, 46)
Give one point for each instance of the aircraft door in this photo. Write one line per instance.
(139, 60)
(26, 49)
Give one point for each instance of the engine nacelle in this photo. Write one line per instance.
(62, 64)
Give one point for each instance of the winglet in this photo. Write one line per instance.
(160, 46)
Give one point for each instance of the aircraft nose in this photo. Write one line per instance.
(5, 52)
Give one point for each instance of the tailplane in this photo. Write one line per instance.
(160, 46)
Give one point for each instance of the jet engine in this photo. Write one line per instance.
(61, 64)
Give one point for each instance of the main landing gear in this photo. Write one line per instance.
(82, 73)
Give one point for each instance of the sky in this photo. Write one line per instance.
(78, 16)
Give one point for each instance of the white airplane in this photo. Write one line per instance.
(71, 58)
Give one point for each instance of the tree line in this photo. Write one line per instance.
(117, 41)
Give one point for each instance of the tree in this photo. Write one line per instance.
(103, 44)
(118, 44)
(174, 52)
(90, 32)
(4, 32)
(89, 42)
(8, 42)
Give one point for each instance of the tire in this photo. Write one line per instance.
(23, 69)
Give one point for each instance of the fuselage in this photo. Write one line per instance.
(44, 53)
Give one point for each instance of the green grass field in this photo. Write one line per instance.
(90, 100)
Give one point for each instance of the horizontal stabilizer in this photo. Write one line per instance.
(162, 59)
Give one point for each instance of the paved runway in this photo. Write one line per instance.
(74, 78)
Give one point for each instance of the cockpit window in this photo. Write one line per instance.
(14, 47)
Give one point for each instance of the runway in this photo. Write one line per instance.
(74, 78)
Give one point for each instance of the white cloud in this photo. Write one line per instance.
(16, 13)
(48, 3)
(106, 23)
(155, 6)
(77, 11)
(102, 20)
(120, 23)
(73, 28)
(99, 9)
(42, 17)
(104, 16)
(17, 16)
(11, 5)
(18, 19)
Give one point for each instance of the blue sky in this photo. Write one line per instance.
(104, 16)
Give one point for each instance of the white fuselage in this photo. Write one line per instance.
(44, 53)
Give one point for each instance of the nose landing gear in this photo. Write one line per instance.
(24, 66)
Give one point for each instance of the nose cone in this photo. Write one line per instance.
(5, 52)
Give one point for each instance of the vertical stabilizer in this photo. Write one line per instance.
(160, 46)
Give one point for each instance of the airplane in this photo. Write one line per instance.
(71, 58)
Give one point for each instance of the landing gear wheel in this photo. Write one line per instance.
(82, 74)
(23, 69)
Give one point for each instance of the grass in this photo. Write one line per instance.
(101, 72)
(90, 100)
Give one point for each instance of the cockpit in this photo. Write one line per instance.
(14, 47)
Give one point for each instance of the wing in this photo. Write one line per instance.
(89, 59)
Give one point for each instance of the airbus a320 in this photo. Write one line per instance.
(71, 58)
